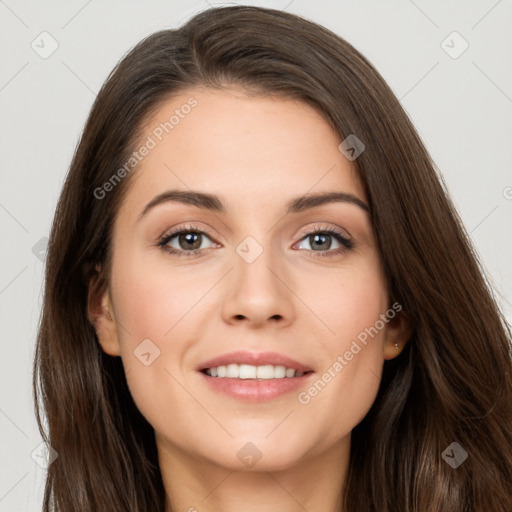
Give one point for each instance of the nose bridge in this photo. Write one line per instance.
(256, 289)
(255, 265)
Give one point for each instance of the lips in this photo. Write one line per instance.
(254, 359)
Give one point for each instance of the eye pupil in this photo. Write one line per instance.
(189, 239)
(316, 237)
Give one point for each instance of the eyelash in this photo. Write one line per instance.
(346, 243)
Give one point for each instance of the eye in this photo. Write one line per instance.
(188, 240)
(322, 239)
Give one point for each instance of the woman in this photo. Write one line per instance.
(250, 369)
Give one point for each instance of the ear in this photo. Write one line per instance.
(398, 332)
(100, 314)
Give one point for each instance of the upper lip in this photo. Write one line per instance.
(254, 359)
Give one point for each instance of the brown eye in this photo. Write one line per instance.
(186, 241)
(189, 240)
(321, 240)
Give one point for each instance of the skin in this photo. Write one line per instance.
(256, 153)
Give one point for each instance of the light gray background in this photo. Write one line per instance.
(461, 106)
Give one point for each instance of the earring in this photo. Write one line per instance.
(396, 346)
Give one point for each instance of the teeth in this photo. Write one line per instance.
(247, 371)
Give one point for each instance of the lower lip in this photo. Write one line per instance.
(252, 390)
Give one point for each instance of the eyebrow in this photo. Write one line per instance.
(214, 203)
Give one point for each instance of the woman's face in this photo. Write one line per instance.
(261, 283)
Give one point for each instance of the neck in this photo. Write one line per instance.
(199, 485)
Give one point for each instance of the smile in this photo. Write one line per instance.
(247, 371)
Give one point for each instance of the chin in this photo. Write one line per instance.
(259, 455)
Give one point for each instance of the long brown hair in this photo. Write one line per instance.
(452, 383)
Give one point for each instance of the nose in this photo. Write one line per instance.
(258, 292)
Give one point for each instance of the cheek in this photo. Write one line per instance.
(151, 302)
(351, 301)
(349, 379)
(151, 312)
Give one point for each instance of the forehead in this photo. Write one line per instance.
(255, 151)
